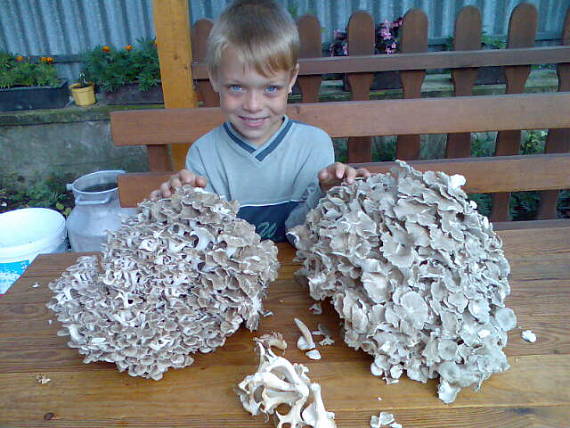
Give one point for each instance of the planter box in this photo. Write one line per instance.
(131, 94)
(386, 80)
(382, 80)
(485, 76)
(490, 76)
(34, 97)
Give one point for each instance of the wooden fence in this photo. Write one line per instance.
(411, 64)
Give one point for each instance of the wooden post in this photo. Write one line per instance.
(172, 24)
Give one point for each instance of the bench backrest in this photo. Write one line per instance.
(158, 128)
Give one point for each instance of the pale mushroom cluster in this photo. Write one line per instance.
(278, 382)
(176, 279)
(418, 276)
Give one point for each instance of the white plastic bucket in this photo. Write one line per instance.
(24, 234)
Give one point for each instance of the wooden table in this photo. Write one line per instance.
(534, 392)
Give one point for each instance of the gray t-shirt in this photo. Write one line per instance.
(276, 184)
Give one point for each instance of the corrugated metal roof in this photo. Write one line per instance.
(66, 28)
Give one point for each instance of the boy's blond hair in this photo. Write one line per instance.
(262, 32)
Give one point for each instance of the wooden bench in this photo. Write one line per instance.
(157, 128)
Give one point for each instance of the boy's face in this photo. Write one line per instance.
(253, 103)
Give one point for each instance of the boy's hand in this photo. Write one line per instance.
(335, 174)
(183, 176)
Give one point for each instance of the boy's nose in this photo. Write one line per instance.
(252, 101)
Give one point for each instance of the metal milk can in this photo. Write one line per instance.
(96, 210)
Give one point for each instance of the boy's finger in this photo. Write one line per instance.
(201, 181)
(340, 170)
(186, 177)
(350, 174)
(324, 174)
(175, 182)
(165, 190)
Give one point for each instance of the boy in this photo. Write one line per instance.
(275, 167)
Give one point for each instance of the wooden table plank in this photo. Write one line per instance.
(541, 306)
(348, 388)
(509, 417)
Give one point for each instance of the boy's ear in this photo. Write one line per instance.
(294, 74)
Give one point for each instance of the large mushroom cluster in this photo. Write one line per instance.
(418, 276)
(178, 278)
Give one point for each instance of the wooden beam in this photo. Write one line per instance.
(496, 174)
(483, 175)
(172, 23)
(424, 60)
(363, 118)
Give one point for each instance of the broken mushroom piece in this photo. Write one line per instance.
(274, 339)
(418, 277)
(528, 336)
(305, 341)
(384, 419)
(176, 279)
(278, 382)
(314, 354)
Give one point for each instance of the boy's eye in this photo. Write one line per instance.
(273, 89)
(235, 88)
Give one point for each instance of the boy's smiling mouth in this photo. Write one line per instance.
(253, 122)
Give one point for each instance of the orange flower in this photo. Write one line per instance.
(43, 59)
(49, 59)
(129, 47)
(19, 58)
(106, 48)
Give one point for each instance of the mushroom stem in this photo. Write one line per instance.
(305, 342)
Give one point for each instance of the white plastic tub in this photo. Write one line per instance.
(24, 234)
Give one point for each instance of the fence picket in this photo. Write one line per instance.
(200, 32)
(414, 39)
(361, 39)
(467, 36)
(522, 32)
(310, 40)
(558, 140)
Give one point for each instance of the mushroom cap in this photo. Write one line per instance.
(178, 278)
(418, 276)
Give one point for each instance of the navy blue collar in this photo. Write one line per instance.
(266, 148)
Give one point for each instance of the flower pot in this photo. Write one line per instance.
(131, 94)
(33, 97)
(83, 96)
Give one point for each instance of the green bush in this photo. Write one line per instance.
(47, 192)
(523, 205)
(110, 68)
(20, 71)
